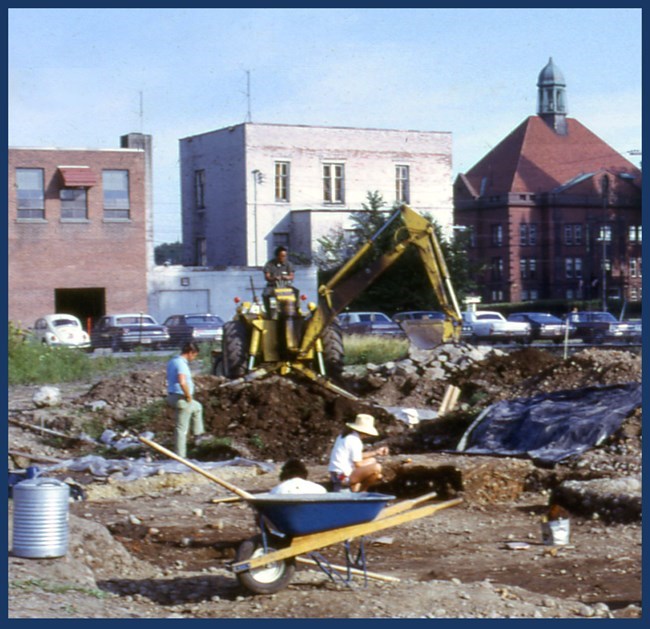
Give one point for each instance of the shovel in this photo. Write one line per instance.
(172, 455)
(423, 333)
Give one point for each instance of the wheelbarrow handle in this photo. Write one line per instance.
(172, 455)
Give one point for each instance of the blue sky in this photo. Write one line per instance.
(84, 77)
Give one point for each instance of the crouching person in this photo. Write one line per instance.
(350, 466)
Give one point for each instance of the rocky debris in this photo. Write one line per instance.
(419, 380)
(47, 396)
(612, 500)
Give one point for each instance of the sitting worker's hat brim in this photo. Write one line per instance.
(365, 424)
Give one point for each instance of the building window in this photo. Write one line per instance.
(402, 188)
(497, 268)
(573, 268)
(74, 203)
(115, 184)
(333, 183)
(638, 266)
(633, 294)
(633, 268)
(199, 189)
(577, 234)
(30, 194)
(201, 252)
(605, 233)
(497, 295)
(568, 234)
(635, 233)
(532, 234)
(282, 181)
(523, 234)
(472, 236)
(528, 268)
(497, 235)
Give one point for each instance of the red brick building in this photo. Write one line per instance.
(79, 230)
(553, 212)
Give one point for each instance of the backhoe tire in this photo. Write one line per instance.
(235, 349)
(266, 579)
(333, 352)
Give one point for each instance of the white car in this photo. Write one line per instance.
(57, 330)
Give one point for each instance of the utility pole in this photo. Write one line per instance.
(258, 177)
(249, 118)
(603, 235)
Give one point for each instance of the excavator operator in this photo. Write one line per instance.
(278, 271)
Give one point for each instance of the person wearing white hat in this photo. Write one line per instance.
(349, 465)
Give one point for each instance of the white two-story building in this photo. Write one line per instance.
(248, 188)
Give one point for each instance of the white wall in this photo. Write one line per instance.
(180, 289)
(241, 215)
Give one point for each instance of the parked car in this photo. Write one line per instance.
(488, 325)
(127, 331)
(369, 323)
(58, 330)
(411, 315)
(194, 327)
(599, 327)
(544, 326)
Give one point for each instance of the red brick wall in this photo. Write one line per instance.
(50, 254)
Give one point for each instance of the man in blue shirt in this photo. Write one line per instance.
(180, 392)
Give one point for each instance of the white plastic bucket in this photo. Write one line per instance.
(40, 520)
(556, 532)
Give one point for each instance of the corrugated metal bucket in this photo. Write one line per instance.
(40, 523)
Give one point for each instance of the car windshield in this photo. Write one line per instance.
(135, 320)
(604, 316)
(487, 317)
(59, 322)
(204, 320)
(544, 318)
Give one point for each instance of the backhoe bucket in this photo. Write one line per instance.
(424, 333)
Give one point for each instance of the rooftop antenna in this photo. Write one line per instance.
(141, 113)
(248, 96)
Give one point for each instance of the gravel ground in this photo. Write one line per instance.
(160, 547)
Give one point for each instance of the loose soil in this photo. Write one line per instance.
(160, 546)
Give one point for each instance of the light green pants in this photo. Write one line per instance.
(187, 413)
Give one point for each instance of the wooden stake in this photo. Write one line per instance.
(225, 499)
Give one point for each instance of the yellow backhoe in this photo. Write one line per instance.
(279, 337)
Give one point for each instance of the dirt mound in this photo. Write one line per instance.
(276, 418)
(530, 371)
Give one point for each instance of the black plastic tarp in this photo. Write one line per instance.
(554, 426)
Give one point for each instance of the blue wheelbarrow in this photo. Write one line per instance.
(302, 524)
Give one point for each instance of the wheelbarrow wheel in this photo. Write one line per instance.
(266, 579)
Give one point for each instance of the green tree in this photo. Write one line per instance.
(169, 252)
(404, 285)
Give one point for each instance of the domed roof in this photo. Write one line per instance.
(550, 75)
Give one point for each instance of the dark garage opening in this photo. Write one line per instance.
(88, 304)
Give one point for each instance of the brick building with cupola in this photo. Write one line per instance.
(552, 212)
